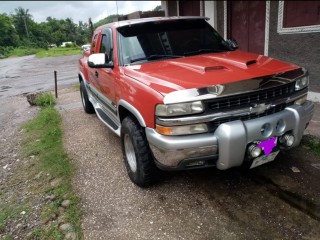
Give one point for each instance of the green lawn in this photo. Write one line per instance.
(40, 52)
(58, 52)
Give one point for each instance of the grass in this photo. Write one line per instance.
(19, 52)
(40, 52)
(57, 52)
(312, 142)
(10, 211)
(45, 100)
(43, 139)
(76, 86)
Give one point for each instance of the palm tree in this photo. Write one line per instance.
(22, 16)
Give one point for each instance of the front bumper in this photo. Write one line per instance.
(226, 147)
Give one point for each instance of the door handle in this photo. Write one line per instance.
(96, 73)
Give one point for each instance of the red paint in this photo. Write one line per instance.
(144, 85)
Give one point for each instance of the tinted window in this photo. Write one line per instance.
(105, 46)
(176, 37)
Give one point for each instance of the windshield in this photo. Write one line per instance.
(153, 41)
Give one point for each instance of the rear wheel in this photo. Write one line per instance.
(87, 105)
(137, 154)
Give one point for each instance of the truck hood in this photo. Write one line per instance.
(166, 76)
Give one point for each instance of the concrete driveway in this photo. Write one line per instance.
(280, 200)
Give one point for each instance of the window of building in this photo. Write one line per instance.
(298, 17)
(301, 13)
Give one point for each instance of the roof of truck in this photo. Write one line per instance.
(145, 20)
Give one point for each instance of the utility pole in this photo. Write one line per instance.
(91, 27)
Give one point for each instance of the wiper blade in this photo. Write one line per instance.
(153, 57)
(204, 50)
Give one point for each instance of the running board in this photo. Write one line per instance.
(106, 119)
(104, 115)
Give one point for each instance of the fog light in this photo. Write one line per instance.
(287, 140)
(254, 151)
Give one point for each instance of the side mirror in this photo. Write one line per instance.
(99, 60)
(232, 43)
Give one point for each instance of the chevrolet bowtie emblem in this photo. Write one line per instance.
(259, 108)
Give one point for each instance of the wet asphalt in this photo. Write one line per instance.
(26, 74)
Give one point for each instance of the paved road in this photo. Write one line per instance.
(30, 74)
(269, 202)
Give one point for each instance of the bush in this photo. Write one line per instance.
(71, 45)
(45, 100)
(5, 51)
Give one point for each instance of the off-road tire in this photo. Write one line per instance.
(146, 171)
(87, 105)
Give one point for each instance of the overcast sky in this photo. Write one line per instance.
(77, 10)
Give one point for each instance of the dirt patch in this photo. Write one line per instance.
(15, 171)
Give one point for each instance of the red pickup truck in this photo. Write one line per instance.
(181, 97)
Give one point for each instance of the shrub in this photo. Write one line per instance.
(45, 100)
(71, 45)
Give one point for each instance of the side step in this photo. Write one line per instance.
(106, 119)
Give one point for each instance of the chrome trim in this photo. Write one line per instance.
(96, 104)
(231, 138)
(133, 110)
(103, 99)
(239, 112)
(173, 158)
(179, 142)
(242, 86)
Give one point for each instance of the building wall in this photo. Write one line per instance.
(172, 8)
(302, 49)
(210, 12)
(220, 17)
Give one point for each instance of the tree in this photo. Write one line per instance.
(22, 18)
(8, 34)
(157, 8)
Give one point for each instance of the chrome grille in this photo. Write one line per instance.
(246, 99)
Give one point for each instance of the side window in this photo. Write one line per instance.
(105, 46)
(94, 42)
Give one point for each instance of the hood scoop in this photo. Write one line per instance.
(214, 68)
(198, 68)
(248, 63)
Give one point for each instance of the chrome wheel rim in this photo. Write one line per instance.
(130, 153)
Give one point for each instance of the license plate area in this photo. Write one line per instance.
(264, 159)
(268, 156)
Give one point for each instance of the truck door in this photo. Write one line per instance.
(107, 76)
(95, 46)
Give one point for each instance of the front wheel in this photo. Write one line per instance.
(137, 155)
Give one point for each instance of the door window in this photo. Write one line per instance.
(105, 46)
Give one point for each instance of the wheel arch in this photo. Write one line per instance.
(81, 77)
(125, 109)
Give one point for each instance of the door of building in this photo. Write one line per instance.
(246, 24)
(189, 8)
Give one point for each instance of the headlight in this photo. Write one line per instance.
(182, 130)
(302, 83)
(168, 110)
